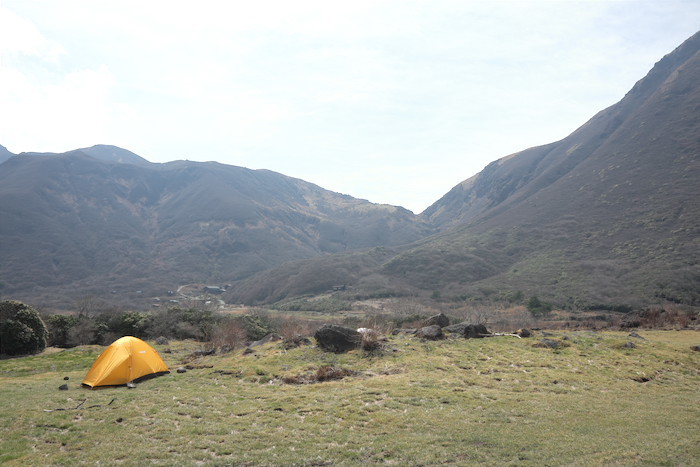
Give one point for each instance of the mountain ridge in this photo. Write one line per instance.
(102, 224)
(606, 215)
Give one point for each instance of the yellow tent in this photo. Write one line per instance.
(125, 360)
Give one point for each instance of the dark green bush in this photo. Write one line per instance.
(59, 327)
(21, 329)
(257, 325)
(537, 307)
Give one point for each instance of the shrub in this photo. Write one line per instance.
(371, 340)
(59, 327)
(183, 323)
(538, 308)
(257, 325)
(21, 329)
(229, 335)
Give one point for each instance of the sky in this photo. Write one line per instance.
(391, 101)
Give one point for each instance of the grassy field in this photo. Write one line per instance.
(488, 401)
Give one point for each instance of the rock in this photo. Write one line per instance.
(440, 320)
(63, 387)
(467, 330)
(524, 332)
(66, 378)
(130, 385)
(248, 351)
(403, 331)
(162, 340)
(272, 337)
(630, 345)
(635, 335)
(473, 331)
(696, 348)
(334, 338)
(181, 370)
(432, 333)
(456, 328)
(167, 351)
(119, 420)
(296, 341)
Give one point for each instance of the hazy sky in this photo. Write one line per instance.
(391, 101)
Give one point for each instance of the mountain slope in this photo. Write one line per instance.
(609, 214)
(4, 154)
(89, 221)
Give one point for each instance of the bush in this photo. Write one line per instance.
(59, 327)
(257, 325)
(183, 323)
(538, 308)
(21, 329)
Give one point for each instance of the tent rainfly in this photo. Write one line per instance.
(124, 361)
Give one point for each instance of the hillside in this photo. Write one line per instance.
(102, 219)
(608, 215)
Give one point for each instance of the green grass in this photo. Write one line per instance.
(483, 401)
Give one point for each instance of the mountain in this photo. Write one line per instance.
(94, 220)
(607, 216)
(4, 154)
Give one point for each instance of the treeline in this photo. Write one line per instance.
(174, 323)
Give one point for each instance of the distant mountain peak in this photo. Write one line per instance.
(109, 153)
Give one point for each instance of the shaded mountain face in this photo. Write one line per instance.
(4, 154)
(608, 215)
(99, 219)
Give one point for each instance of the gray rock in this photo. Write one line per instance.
(63, 387)
(467, 330)
(162, 340)
(181, 370)
(440, 320)
(334, 338)
(475, 331)
(432, 333)
(635, 335)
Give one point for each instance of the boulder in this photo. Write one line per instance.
(334, 338)
(63, 387)
(475, 331)
(432, 333)
(467, 330)
(440, 320)
(524, 332)
(162, 340)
